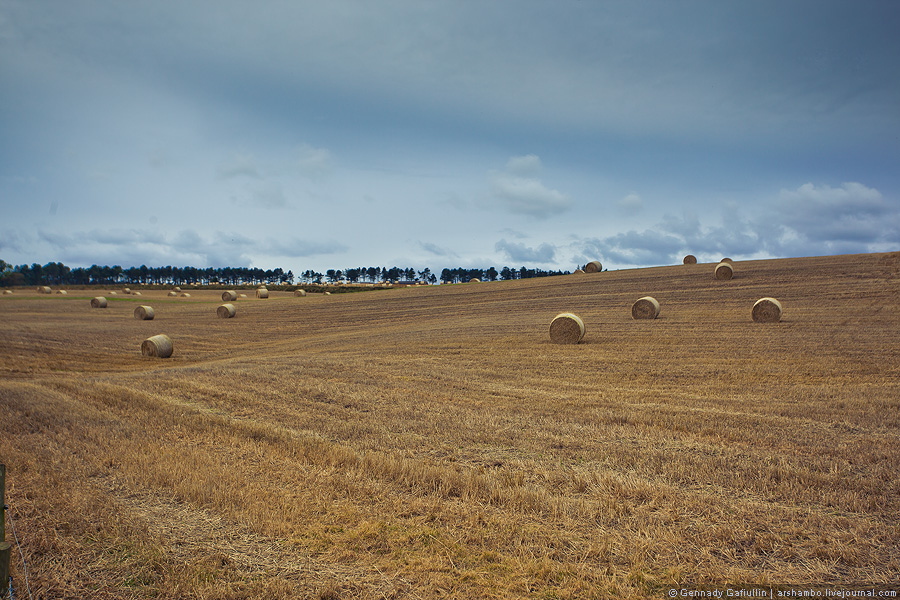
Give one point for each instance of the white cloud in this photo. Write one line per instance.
(631, 204)
(314, 162)
(519, 191)
(239, 165)
(520, 253)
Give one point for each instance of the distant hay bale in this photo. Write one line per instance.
(44, 289)
(7, 292)
(724, 271)
(98, 302)
(114, 293)
(126, 291)
(229, 296)
(645, 308)
(136, 294)
(728, 260)
(566, 328)
(173, 293)
(767, 310)
(474, 280)
(593, 267)
(327, 293)
(177, 289)
(262, 293)
(144, 313)
(158, 346)
(690, 259)
(578, 272)
(62, 292)
(226, 311)
(242, 296)
(299, 292)
(185, 295)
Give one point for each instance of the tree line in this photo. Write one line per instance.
(56, 273)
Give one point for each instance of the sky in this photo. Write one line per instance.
(434, 133)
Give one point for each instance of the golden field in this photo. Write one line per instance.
(431, 442)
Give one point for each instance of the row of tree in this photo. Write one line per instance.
(56, 273)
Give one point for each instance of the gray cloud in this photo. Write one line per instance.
(519, 191)
(436, 250)
(239, 165)
(520, 253)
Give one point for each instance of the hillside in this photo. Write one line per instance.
(431, 442)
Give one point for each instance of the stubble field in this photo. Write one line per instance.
(432, 443)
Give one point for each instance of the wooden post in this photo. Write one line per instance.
(5, 548)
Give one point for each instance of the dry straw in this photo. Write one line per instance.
(767, 310)
(690, 259)
(229, 296)
(262, 293)
(144, 313)
(645, 308)
(724, 271)
(159, 346)
(98, 302)
(299, 292)
(226, 311)
(593, 267)
(566, 328)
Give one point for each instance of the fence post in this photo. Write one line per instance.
(5, 548)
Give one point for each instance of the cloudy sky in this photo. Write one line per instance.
(426, 133)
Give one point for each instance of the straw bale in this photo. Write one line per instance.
(242, 296)
(7, 291)
(327, 293)
(144, 313)
(173, 293)
(225, 311)
(645, 308)
(159, 346)
(767, 310)
(177, 289)
(593, 267)
(566, 328)
(229, 296)
(728, 260)
(126, 291)
(578, 272)
(474, 280)
(136, 294)
(98, 302)
(262, 293)
(724, 271)
(299, 292)
(114, 293)
(44, 289)
(62, 292)
(690, 259)
(185, 295)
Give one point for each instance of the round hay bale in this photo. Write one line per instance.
(728, 260)
(229, 296)
(98, 302)
(690, 259)
(474, 280)
(299, 292)
(566, 328)
(226, 311)
(62, 292)
(173, 293)
(593, 267)
(327, 293)
(724, 271)
(262, 293)
(143, 313)
(126, 291)
(159, 346)
(578, 272)
(177, 289)
(767, 310)
(7, 292)
(242, 296)
(44, 289)
(114, 293)
(645, 308)
(185, 295)
(136, 294)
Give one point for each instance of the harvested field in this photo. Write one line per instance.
(432, 442)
